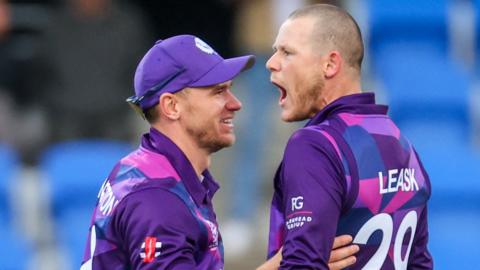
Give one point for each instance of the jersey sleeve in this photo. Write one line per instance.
(313, 186)
(157, 230)
(420, 258)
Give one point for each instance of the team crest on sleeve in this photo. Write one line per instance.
(150, 249)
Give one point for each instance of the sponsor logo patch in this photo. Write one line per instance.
(149, 249)
(297, 203)
(298, 217)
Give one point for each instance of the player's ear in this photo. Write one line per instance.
(169, 106)
(332, 64)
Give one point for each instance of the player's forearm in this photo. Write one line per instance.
(269, 265)
(273, 263)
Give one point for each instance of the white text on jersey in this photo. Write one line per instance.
(403, 180)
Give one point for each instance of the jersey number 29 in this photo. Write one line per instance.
(384, 223)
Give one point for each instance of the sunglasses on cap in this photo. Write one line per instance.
(135, 101)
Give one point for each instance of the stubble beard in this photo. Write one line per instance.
(206, 140)
(307, 101)
(203, 134)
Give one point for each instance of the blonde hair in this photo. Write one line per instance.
(335, 28)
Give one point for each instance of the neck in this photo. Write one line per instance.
(198, 157)
(339, 87)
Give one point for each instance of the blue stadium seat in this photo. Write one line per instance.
(409, 51)
(476, 6)
(393, 22)
(428, 87)
(15, 250)
(454, 233)
(75, 171)
(8, 166)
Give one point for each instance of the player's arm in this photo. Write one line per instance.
(341, 257)
(157, 230)
(313, 192)
(420, 258)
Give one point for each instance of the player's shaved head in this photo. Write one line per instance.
(334, 29)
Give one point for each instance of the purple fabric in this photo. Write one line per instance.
(154, 213)
(193, 60)
(320, 193)
(157, 142)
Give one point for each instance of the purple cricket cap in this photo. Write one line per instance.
(179, 62)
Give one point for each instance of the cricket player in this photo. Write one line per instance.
(155, 208)
(349, 170)
(154, 211)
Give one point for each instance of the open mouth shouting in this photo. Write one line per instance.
(283, 93)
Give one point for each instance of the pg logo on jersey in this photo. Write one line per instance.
(297, 203)
(149, 249)
(298, 218)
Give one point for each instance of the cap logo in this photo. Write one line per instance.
(204, 46)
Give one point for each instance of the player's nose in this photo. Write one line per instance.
(233, 103)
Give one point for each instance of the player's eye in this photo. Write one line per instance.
(220, 90)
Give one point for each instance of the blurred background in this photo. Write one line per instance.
(66, 67)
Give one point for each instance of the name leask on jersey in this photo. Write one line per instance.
(397, 180)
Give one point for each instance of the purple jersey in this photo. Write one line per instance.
(350, 171)
(154, 213)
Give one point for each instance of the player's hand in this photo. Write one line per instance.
(340, 257)
(342, 253)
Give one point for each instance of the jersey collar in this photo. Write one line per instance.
(201, 191)
(361, 103)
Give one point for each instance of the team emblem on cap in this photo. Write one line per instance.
(204, 46)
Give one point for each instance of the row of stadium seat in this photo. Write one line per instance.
(73, 173)
(14, 247)
(437, 24)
